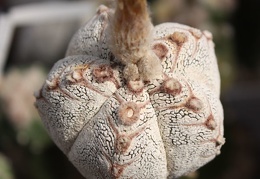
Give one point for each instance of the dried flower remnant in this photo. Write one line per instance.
(147, 103)
(130, 40)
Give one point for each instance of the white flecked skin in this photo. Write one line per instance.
(111, 128)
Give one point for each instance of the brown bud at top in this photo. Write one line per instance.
(130, 38)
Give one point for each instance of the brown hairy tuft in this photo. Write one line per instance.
(130, 37)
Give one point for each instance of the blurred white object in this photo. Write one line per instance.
(18, 104)
(39, 13)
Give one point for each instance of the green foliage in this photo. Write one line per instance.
(6, 171)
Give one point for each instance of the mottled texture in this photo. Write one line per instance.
(111, 126)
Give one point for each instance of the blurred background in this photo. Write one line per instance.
(34, 34)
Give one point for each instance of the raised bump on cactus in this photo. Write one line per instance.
(130, 41)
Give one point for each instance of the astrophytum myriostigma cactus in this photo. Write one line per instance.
(131, 100)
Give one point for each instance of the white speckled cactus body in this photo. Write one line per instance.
(135, 101)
